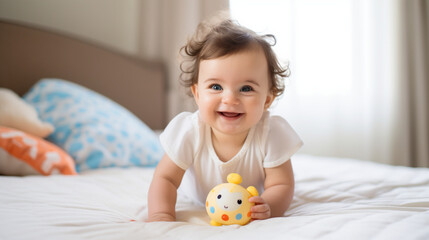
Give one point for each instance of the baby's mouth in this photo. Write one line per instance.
(230, 114)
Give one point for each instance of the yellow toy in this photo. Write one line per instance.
(228, 203)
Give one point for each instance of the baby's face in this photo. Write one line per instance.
(233, 91)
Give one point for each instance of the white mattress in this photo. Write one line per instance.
(334, 199)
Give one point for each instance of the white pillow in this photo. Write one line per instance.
(16, 113)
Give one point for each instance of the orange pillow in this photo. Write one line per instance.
(24, 154)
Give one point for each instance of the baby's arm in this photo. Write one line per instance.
(163, 191)
(279, 188)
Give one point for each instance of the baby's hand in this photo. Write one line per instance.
(261, 210)
(161, 217)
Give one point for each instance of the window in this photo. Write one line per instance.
(339, 95)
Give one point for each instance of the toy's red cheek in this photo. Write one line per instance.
(207, 204)
(225, 217)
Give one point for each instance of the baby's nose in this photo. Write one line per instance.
(230, 97)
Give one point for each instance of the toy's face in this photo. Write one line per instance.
(229, 203)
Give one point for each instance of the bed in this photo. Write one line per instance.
(335, 198)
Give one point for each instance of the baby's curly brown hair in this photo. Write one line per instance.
(225, 38)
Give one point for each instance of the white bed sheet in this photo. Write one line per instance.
(334, 199)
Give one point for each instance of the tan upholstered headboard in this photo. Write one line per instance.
(28, 54)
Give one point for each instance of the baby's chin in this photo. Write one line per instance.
(229, 130)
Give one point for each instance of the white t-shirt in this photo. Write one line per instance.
(187, 141)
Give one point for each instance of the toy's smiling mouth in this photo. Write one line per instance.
(226, 207)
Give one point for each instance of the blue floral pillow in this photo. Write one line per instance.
(93, 129)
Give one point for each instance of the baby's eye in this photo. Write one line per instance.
(216, 87)
(246, 89)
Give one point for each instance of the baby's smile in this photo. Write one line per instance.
(231, 115)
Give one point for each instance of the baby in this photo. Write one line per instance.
(234, 77)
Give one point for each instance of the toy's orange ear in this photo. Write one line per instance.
(253, 191)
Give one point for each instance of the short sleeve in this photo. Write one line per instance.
(180, 139)
(281, 142)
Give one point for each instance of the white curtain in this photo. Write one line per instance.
(165, 27)
(345, 94)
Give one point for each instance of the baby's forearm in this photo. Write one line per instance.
(163, 191)
(279, 198)
(162, 200)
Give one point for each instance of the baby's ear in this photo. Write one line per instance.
(194, 90)
(269, 100)
(253, 191)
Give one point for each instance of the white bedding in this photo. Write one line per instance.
(334, 199)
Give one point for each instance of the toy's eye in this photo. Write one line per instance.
(219, 196)
(239, 201)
